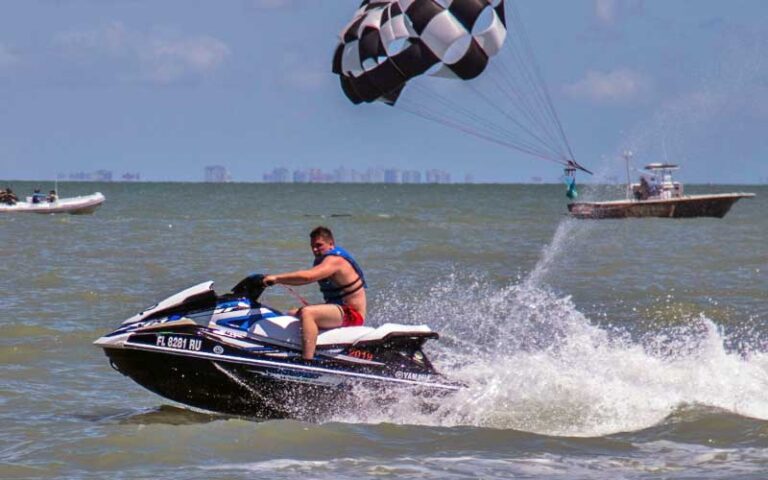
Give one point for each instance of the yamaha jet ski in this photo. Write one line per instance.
(233, 354)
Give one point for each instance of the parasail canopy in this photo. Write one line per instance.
(389, 42)
(393, 44)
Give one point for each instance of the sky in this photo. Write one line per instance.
(166, 87)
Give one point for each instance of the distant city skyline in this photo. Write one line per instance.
(97, 176)
(220, 174)
(351, 175)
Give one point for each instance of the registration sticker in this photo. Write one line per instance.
(179, 343)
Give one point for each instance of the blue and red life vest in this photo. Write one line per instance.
(333, 293)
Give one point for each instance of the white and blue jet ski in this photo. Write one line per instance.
(232, 354)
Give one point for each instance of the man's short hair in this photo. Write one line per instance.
(322, 232)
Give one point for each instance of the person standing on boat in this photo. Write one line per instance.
(37, 197)
(8, 197)
(645, 189)
(342, 284)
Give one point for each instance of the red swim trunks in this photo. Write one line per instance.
(352, 317)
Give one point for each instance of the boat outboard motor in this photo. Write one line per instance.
(251, 287)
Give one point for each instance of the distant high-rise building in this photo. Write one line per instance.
(411, 176)
(438, 176)
(316, 175)
(392, 175)
(300, 176)
(278, 175)
(131, 177)
(80, 176)
(342, 175)
(103, 175)
(469, 178)
(373, 175)
(216, 174)
(282, 175)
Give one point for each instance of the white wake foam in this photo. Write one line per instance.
(531, 361)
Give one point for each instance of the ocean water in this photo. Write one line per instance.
(630, 349)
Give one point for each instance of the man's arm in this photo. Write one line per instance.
(325, 269)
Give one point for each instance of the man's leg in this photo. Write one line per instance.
(313, 318)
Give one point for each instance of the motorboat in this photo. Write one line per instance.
(81, 205)
(233, 354)
(658, 195)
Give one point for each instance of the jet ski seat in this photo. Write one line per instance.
(362, 335)
(287, 329)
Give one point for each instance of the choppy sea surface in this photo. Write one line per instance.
(631, 349)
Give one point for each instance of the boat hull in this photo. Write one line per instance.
(192, 368)
(194, 382)
(689, 206)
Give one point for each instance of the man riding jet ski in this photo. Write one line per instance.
(230, 353)
(341, 281)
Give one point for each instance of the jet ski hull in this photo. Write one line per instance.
(194, 382)
(197, 367)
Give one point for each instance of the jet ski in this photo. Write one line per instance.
(233, 354)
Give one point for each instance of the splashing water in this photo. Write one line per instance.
(568, 233)
(532, 362)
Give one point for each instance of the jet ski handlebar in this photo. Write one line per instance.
(251, 286)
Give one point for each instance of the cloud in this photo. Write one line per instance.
(618, 86)
(7, 57)
(720, 112)
(610, 12)
(167, 61)
(605, 11)
(158, 57)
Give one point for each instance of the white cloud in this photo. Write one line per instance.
(165, 61)
(608, 13)
(155, 56)
(618, 86)
(605, 11)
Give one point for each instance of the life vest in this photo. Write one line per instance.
(333, 293)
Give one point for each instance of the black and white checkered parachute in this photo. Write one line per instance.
(389, 42)
(391, 47)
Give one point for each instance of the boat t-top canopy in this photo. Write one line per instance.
(661, 166)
